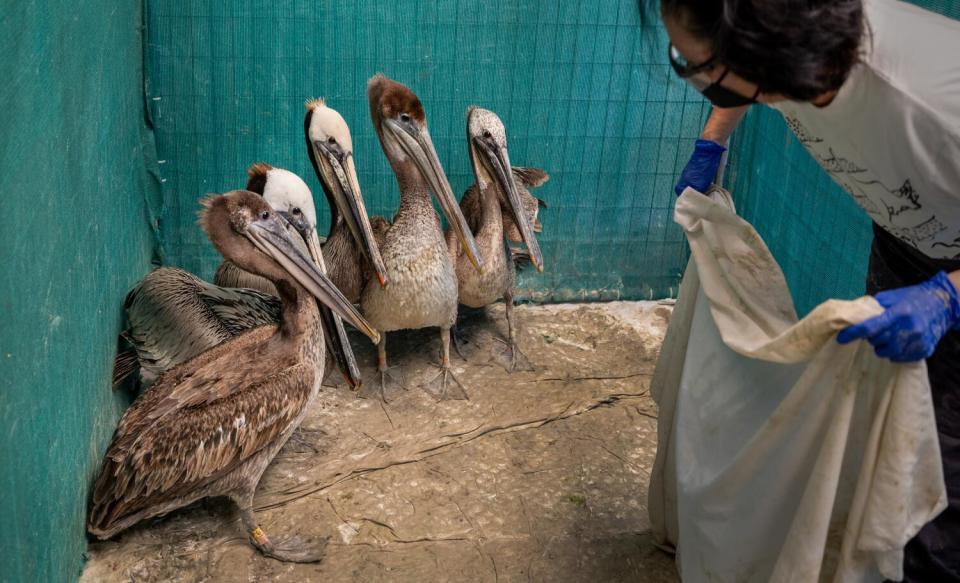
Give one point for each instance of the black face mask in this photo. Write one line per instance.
(723, 97)
(696, 76)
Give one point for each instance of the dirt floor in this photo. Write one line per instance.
(540, 476)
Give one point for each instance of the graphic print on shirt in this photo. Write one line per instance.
(800, 131)
(955, 246)
(919, 234)
(898, 209)
(903, 199)
(835, 164)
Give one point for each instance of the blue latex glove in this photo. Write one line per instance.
(702, 167)
(915, 320)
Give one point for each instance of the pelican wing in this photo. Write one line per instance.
(530, 177)
(228, 275)
(194, 426)
(175, 316)
(169, 321)
(526, 178)
(240, 309)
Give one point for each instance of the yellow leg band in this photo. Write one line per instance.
(260, 536)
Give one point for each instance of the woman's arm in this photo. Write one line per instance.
(722, 122)
(708, 151)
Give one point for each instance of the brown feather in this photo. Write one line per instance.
(155, 456)
(312, 104)
(229, 275)
(395, 98)
(124, 364)
(380, 226)
(526, 178)
(258, 169)
(530, 177)
(257, 177)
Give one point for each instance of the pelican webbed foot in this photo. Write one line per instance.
(510, 357)
(445, 386)
(506, 353)
(333, 377)
(292, 550)
(390, 382)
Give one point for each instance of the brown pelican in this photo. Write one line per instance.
(495, 187)
(351, 247)
(174, 316)
(526, 178)
(288, 193)
(212, 425)
(423, 284)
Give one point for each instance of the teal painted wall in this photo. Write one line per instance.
(74, 237)
(584, 90)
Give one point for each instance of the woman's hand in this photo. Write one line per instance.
(702, 167)
(708, 152)
(915, 320)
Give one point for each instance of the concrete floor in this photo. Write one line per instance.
(540, 476)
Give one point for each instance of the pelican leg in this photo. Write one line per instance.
(391, 378)
(292, 550)
(508, 354)
(444, 385)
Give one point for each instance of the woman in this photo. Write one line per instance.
(872, 90)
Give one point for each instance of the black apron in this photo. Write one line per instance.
(933, 556)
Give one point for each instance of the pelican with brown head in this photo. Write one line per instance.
(423, 283)
(211, 426)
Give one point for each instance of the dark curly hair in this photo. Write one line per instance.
(801, 49)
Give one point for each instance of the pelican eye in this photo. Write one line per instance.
(405, 118)
(487, 134)
(296, 211)
(331, 140)
(265, 215)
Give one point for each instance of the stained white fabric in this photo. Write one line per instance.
(891, 137)
(783, 456)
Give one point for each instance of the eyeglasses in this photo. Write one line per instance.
(697, 76)
(684, 68)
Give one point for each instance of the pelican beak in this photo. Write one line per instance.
(309, 235)
(497, 161)
(416, 142)
(334, 334)
(271, 237)
(313, 246)
(339, 174)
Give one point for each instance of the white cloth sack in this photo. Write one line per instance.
(782, 455)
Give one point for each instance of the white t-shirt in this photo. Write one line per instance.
(891, 137)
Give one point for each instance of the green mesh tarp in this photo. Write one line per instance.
(74, 237)
(817, 233)
(584, 91)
